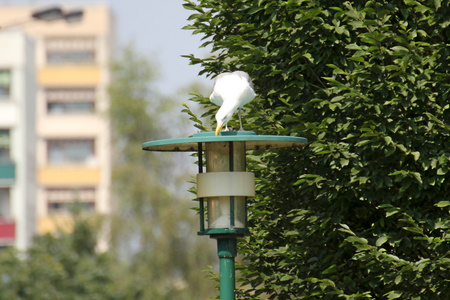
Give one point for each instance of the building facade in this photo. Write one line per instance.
(17, 139)
(73, 159)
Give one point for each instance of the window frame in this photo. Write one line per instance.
(7, 157)
(6, 96)
(7, 215)
(68, 97)
(67, 157)
(70, 50)
(59, 199)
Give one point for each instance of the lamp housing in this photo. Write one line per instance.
(74, 16)
(225, 186)
(48, 14)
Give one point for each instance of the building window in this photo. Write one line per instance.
(66, 50)
(5, 145)
(70, 100)
(68, 151)
(5, 83)
(5, 210)
(66, 200)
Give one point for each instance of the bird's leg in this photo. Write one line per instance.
(240, 120)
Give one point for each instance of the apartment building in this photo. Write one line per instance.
(73, 159)
(17, 139)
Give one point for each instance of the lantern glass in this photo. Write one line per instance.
(219, 212)
(218, 157)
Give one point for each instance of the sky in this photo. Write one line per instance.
(154, 26)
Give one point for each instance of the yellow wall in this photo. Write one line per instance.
(69, 176)
(69, 76)
(64, 223)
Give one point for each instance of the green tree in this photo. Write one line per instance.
(153, 229)
(62, 266)
(363, 210)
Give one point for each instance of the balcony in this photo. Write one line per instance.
(7, 173)
(7, 232)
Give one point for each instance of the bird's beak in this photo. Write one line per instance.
(218, 128)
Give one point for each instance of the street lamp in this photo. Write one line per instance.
(224, 187)
(49, 14)
(73, 16)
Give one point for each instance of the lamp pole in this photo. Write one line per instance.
(225, 187)
(227, 251)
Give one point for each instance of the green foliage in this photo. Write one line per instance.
(153, 252)
(363, 210)
(152, 229)
(62, 267)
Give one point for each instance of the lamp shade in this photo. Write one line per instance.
(218, 184)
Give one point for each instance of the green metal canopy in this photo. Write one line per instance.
(252, 141)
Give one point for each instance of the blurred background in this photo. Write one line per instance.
(82, 85)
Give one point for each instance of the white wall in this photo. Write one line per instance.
(17, 114)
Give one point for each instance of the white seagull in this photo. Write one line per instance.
(231, 91)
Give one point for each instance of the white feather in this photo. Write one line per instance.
(231, 91)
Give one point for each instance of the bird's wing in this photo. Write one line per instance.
(235, 86)
(216, 97)
(246, 77)
(248, 93)
(247, 96)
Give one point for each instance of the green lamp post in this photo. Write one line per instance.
(224, 187)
